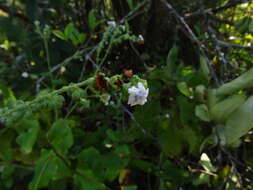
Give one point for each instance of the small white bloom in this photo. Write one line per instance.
(25, 75)
(138, 95)
(111, 23)
(141, 37)
(167, 115)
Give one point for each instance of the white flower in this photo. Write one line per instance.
(167, 115)
(25, 75)
(111, 23)
(137, 95)
(141, 37)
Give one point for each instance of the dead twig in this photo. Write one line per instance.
(193, 37)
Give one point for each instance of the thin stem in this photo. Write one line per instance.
(71, 110)
(29, 104)
(48, 59)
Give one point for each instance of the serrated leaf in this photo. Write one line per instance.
(78, 93)
(87, 181)
(88, 156)
(28, 138)
(45, 170)
(60, 135)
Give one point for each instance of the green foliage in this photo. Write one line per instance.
(28, 138)
(66, 68)
(60, 136)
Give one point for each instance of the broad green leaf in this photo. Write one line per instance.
(130, 4)
(92, 21)
(72, 34)
(60, 135)
(242, 25)
(239, 122)
(200, 92)
(82, 38)
(171, 141)
(88, 157)
(6, 149)
(241, 82)
(206, 163)
(45, 170)
(28, 138)
(184, 89)
(8, 95)
(201, 111)
(172, 58)
(87, 181)
(59, 34)
(204, 67)
(186, 110)
(68, 30)
(221, 111)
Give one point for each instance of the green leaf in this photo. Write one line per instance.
(186, 110)
(239, 122)
(82, 38)
(45, 170)
(184, 89)
(129, 187)
(28, 138)
(78, 93)
(202, 179)
(171, 141)
(88, 157)
(221, 111)
(241, 82)
(60, 135)
(172, 58)
(201, 111)
(72, 34)
(242, 25)
(87, 181)
(85, 102)
(92, 21)
(59, 34)
(204, 69)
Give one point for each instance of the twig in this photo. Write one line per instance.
(76, 55)
(232, 45)
(193, 37)
(228, 5)
(15, 12)
(28, 104)
(201, 171)
(138, 54)
(138, 124)
(134, 12)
